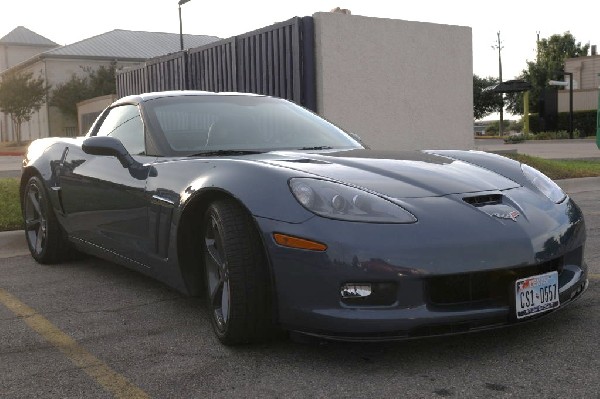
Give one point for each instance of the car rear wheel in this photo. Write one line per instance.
(236, 275)
(45, 239)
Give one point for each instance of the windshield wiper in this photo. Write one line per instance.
(322, 147)
(225, 153)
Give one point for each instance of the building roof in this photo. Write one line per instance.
(24, 37)
(126, 44)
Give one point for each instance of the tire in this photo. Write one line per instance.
(237, 283)
(45, 238)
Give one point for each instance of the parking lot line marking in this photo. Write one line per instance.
(594, 276)
(110, 380)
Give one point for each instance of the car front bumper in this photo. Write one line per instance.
(447, 278)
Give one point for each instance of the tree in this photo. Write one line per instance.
(550, 63)
(66, 95)
(103, 80)
(98, 82)
(485, 102)
(20, 96)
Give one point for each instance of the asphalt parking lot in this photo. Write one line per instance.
(93, 329)
(89, 328)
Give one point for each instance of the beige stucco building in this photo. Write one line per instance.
(21, 44)
(58, 64)
(586, 81)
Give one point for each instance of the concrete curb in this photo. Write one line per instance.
(583, 184)
(12, 243)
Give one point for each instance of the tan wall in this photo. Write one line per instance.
(585, 71)
(93, 106)
(11, 55)
(397, 84)
(585, 82)
(583, 100)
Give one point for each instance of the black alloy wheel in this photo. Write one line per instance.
(44, 236)
(237, 281)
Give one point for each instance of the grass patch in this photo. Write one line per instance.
(10, 211)
(559, 168)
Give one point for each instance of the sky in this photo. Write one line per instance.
(519, 22)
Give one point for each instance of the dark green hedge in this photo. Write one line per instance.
(584, 121)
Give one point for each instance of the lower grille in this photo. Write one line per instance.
(481, 289)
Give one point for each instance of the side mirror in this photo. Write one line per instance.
(112, 147)
(108, 146)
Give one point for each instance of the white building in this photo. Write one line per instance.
(57, 65)
(586, 81)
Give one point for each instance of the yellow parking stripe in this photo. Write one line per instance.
(111, 381)
(594, 276)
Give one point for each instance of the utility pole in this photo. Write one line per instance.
(537, 46)
(500, 47)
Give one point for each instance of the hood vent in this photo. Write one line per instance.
(306, 160)
(483, 200)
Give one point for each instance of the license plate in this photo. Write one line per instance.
(536, 294)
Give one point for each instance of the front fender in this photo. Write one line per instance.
(263, 189)
(43, 157)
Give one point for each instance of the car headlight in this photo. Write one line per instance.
(338, 201)
(544, 184)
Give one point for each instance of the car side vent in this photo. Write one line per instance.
(483, 200)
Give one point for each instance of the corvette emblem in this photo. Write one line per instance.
(511, 215)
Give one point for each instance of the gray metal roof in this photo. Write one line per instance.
(23, 36)
(126, 44)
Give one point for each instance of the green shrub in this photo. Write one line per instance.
(515, 139)
(583, 121)
(560, 135)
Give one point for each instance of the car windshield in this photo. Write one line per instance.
(208, 123)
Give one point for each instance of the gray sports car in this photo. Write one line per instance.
(288, 223)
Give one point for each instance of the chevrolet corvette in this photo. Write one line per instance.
(287, 223)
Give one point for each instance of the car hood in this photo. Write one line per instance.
(396, 174)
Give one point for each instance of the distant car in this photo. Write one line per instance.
(288, 223)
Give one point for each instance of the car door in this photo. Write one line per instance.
(104, 203)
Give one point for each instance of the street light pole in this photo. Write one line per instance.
(559, 83)
(562, 83)
(570, 103)
(181, 2)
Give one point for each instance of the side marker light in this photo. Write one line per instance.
(298, 243)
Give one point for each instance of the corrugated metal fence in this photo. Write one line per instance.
(277, 60)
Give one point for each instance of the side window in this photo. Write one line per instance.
(124, 123)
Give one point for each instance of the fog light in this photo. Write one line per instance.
(355, 290)
(369, 294)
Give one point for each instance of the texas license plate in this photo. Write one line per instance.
(536, 294)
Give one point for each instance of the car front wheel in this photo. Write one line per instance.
(236, 275)
(45, 239)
